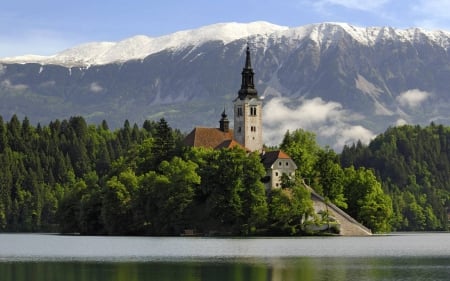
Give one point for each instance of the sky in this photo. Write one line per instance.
(46, 27)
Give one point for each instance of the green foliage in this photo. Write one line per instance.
(371, 205)
(174, 194)
(56, 175)
(231, 195)
(78, 178)
(116, 205)
(356, 191)
(330, 177)
(302, 147)
(412, 163)
(289, 209)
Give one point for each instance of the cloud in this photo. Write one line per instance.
(351, 134)
(412, 98)
(46, 84)
(19, 87)
(328, 120)
(401, 122)
(95, 87)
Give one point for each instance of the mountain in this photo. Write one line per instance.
(343, 82)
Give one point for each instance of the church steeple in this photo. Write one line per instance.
(248, 111)
(224, 123)
(247, 86)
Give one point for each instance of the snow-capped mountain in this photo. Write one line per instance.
(341, 81)
(141, 46)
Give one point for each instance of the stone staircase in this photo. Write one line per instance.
(348, 225)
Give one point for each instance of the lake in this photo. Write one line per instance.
(402, 256)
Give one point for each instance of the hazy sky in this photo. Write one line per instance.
(47, 26)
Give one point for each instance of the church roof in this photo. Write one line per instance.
(268, 158)
(247, 86)
(210, 138)
(230, 144)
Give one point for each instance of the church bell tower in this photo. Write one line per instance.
(248, 110)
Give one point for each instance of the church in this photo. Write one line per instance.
(247, 132)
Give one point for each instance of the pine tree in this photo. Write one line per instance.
(164, 145)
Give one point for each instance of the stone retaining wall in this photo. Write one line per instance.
(349, 226)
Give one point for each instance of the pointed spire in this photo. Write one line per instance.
(248, 62)
(224, 122)
(224, 115)
(247, 87)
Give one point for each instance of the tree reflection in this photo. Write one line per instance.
(283, 269)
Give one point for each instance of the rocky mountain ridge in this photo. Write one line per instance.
(343, 82)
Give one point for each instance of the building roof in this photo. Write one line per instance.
(210, 138)
(269, 157)
(230, 144)
(248, 86)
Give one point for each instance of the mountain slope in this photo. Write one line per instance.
(141, 46)
(342, 82)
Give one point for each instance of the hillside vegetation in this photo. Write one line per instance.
(72, 177)
(413, 165)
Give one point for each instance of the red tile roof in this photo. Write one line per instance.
(210, 138)
(269, 157)
(230, 144)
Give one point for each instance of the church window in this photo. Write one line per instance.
(287, 163)
(239, 111)
(253, 111)
(279, 163)
(239, 129)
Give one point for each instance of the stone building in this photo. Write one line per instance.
(276, 164)
(247, 132)
(248, 111)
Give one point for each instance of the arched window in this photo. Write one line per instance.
(239, 111)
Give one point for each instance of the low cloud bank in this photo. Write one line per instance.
(328, 120)
(412, 98)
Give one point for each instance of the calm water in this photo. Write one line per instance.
(390, 257)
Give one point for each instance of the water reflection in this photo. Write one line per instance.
(305, 269)
(412, 256)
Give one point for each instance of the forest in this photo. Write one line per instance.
(413, 165)
(72, 177)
